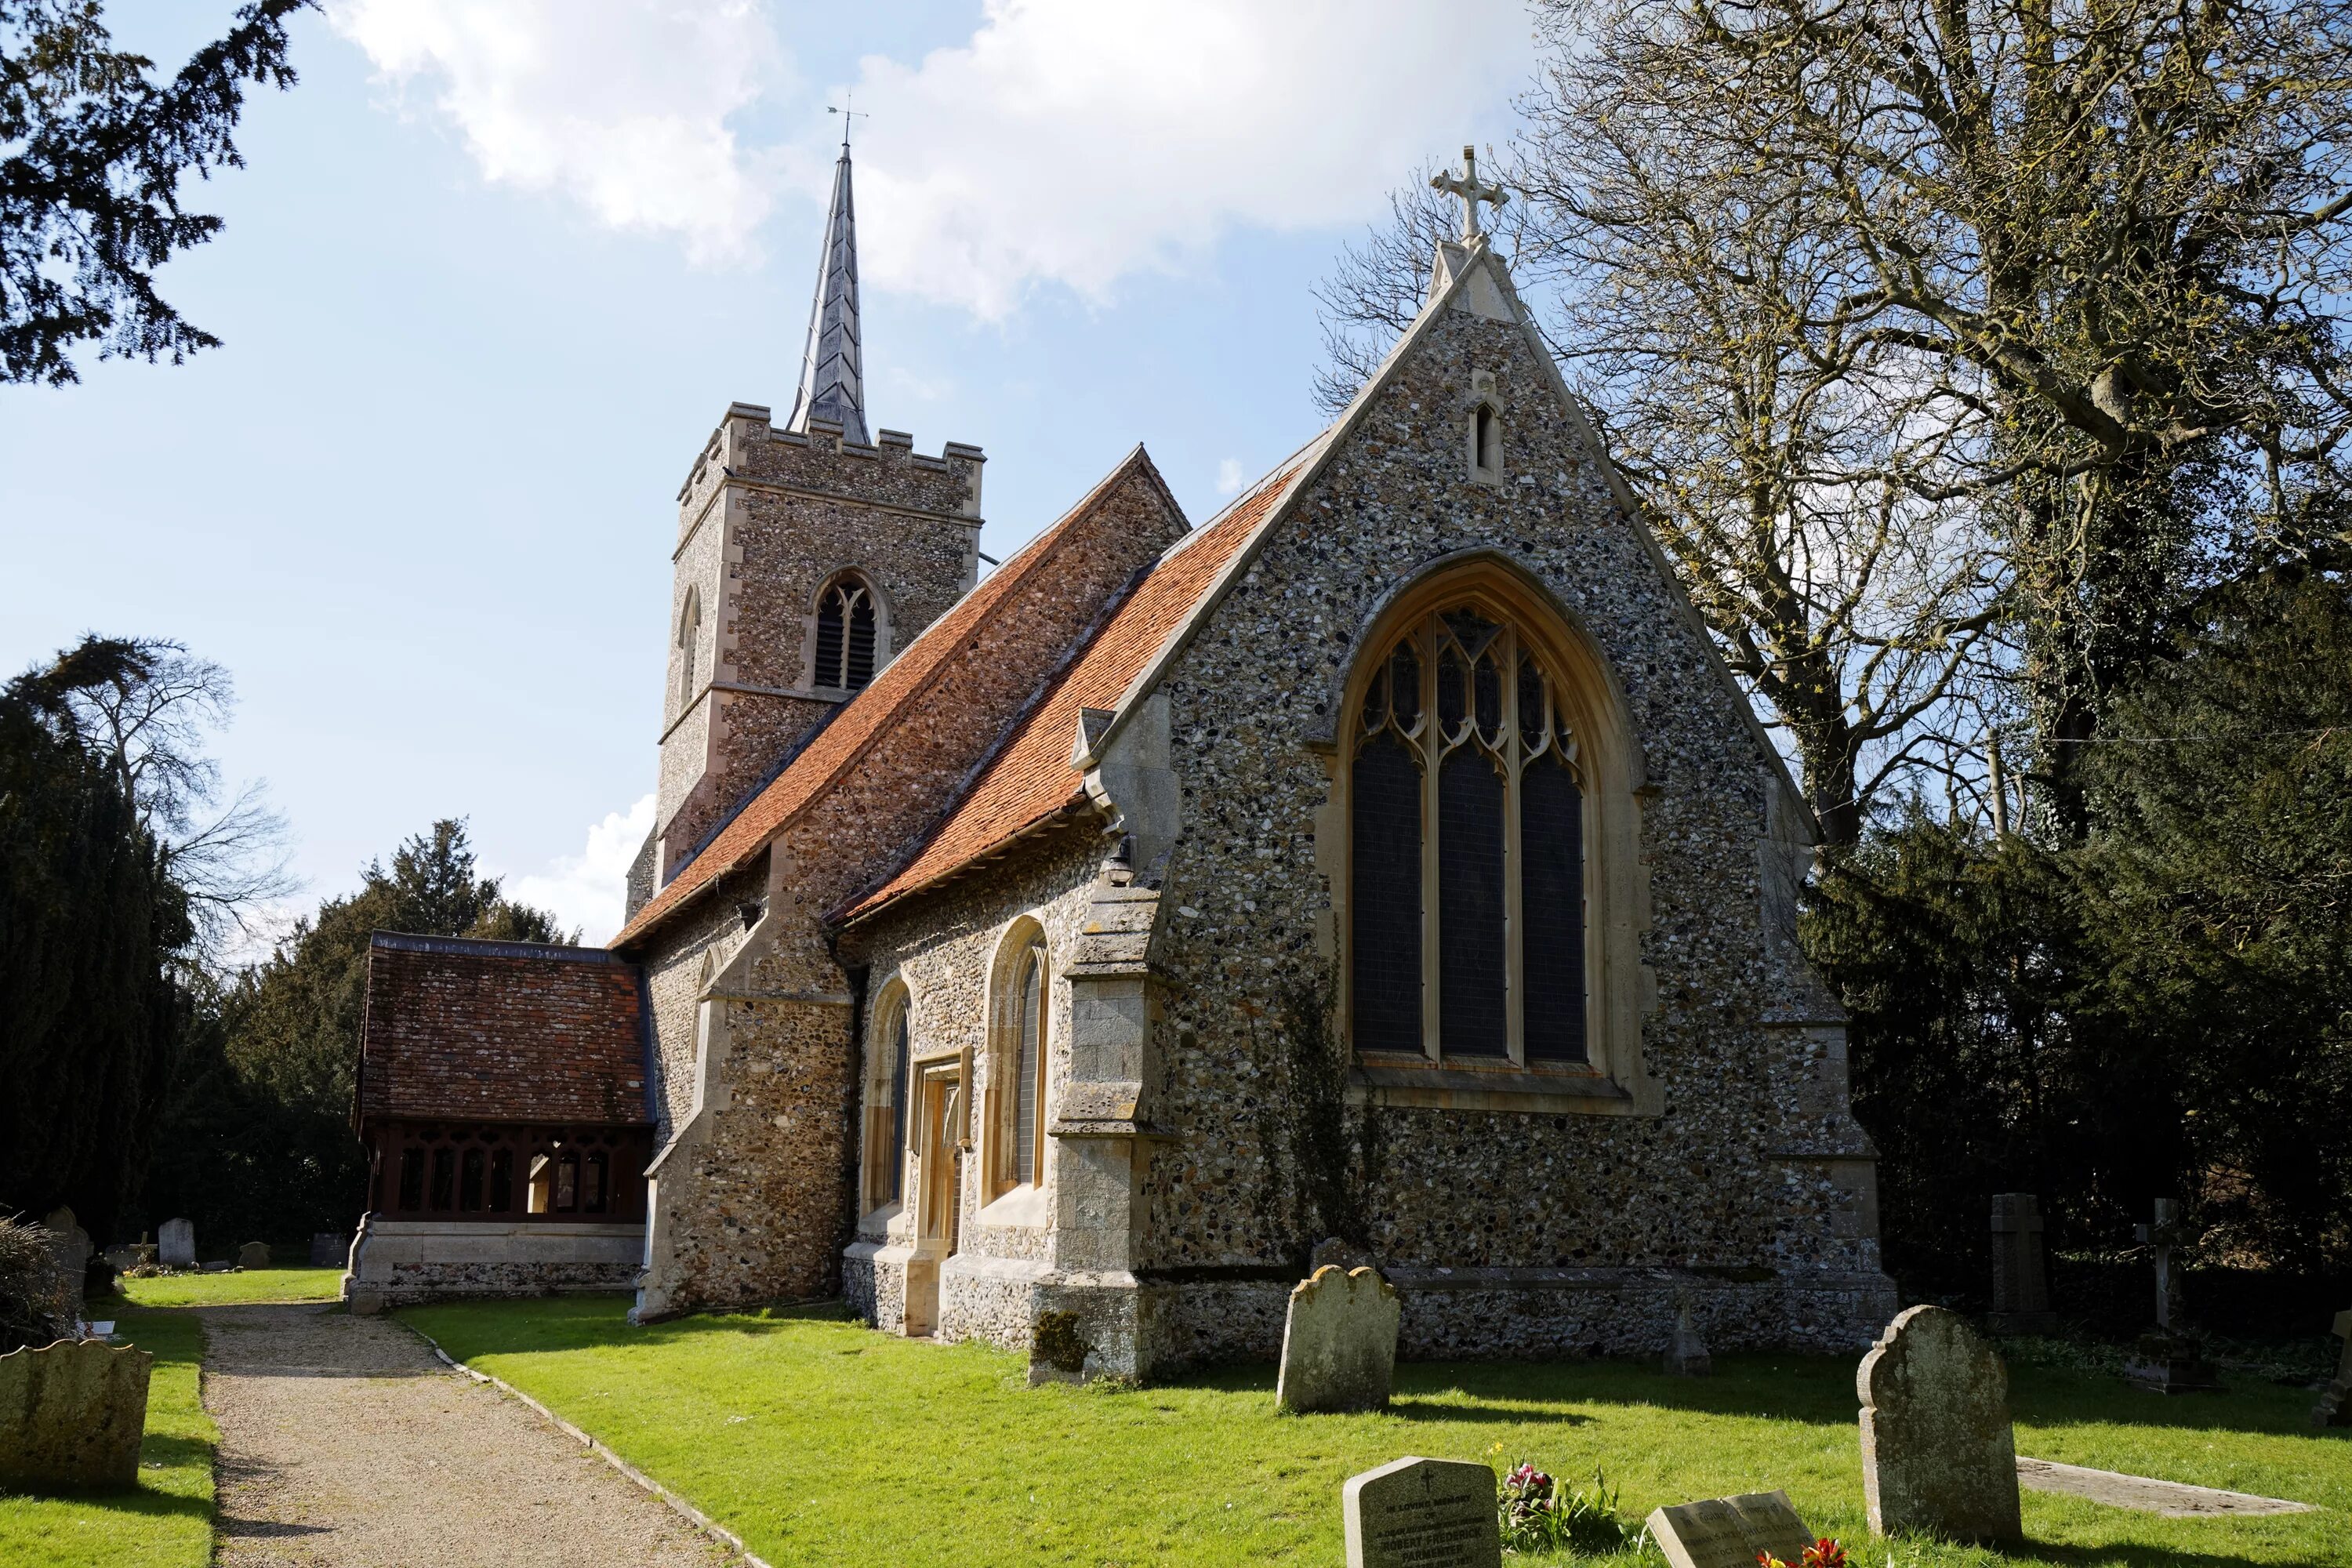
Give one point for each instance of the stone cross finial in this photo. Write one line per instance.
(2164, 1235)
(1471, 192)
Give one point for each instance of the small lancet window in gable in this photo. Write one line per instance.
(845, 634)
(1487, 444)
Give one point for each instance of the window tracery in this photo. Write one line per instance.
(845, 634)
(1467, 861)
(1017, 1088)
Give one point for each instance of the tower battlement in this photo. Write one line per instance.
(746, 446)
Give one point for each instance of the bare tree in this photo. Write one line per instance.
(152, 718)
(2112, 237)
(1786, 470)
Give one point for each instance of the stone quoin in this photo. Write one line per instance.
(1053, 957)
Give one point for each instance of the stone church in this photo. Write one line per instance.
(1388, 858)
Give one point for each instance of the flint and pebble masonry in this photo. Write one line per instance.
(1728, 1168)
(1509, 1233)
(765, 520)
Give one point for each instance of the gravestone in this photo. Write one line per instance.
(1936, 1450)
(253, 1255)
(1339, 1343)
(1422, 1513)
(71, 1416)
(1730, 1532)
(2020, 1287)
(70, 1255)
(327, 1250)
(2335, 1406)
(176, 1244)
(1338, 1254)
(1686, 1354)
(2169, 1359)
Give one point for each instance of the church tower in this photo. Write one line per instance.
(808, 553)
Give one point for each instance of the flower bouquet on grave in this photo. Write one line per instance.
(1536, 1515)
(1822, 1553)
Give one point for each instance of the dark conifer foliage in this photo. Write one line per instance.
(92, 150)
(89, 1010)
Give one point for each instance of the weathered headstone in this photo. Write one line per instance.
(71, 1416)
(1422, 1513)
(1338, 1254)
(2335, 1406)
(1730, 1532)
(176, 1244)
(1936, 1450)
(327, 1250)
(1339, 1343)
(253, 1255)
(2020, 1287)
(2170, 1360)
(69, 1254)
(1687, 1354)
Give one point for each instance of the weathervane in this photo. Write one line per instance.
(847, 114)
(1471, 192)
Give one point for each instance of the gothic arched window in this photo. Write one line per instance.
(690, 642)
(845, 634)
(887, 1103)
(1466, 849)
(1018, 1070)
(1485, 443)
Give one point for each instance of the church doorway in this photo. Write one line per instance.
(938, 1190)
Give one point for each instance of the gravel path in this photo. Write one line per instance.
(345, 1443)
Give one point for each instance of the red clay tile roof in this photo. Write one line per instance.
(501, 1031)
(855, 727)
(1031, 780)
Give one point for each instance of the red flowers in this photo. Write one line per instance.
(1822, 1553)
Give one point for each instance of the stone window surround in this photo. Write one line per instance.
(1484, 417)
(688, 640)
(1003, 1200)
(1613, 1079)
(894, 1000)
(885, 639)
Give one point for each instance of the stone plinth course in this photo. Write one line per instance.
(1937, 1453)
(1339, 1343)
(1422, 1513)
(1730, 1532)
(71, 1416)
(176, 1244)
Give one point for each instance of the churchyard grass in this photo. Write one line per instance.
(820, 1440)
(303, 1284)
(167, 1522)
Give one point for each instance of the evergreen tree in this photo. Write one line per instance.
(89, 1013)
(92, 149)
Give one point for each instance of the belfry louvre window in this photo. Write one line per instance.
(845, 634)
(1467, 853)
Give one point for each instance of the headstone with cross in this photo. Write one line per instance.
(2168, 1360)
(1468, 187)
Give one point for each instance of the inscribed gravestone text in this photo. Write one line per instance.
(1422, 1513)
(1729, 1532)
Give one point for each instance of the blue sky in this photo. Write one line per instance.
(496, 267)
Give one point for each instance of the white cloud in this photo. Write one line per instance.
(621, 105)
(586, 889)
(1061, 142)
(1230, 477)
(1076, 141)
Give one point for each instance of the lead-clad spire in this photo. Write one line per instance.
(833, 381)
